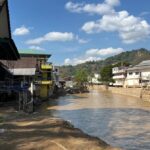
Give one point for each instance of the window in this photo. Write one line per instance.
(130, 73)
(137, 73)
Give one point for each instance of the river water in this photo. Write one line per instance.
(121, 121)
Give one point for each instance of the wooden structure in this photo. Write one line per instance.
(8, 54)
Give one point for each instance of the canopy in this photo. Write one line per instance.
(4, 72)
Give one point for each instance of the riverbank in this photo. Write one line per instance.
(115, 118)
(134, 92)
(20, 131)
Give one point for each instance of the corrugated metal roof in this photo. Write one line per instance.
(24, 62)
(1, 2)
(23, 71)
(138, 68)
(34, 52)
(7, 46)
(143, 65)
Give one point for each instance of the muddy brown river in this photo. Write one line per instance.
(121, 121)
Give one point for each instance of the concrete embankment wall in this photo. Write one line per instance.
(135, 92)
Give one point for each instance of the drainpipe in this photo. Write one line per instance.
(31, 91)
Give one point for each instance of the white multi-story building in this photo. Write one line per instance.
(138, 75)
(119, 75)
(95, 79)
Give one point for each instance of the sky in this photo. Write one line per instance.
(80, 30)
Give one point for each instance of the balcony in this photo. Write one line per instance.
(46, 82)
(118, 70)
(119, 77)
(133, 76)
(46, 66)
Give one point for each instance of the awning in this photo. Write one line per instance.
(4, 72)
(8, 50)
(23, 71)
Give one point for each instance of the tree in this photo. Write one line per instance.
(106, 74)
(119, 64)
(81, 77)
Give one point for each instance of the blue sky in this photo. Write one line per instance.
(77, 31)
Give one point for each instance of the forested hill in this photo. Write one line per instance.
(133, 57)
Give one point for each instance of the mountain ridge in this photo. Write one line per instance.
(133, 57)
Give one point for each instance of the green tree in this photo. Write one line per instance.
(119, 64)
(106, 74)
(81, 77)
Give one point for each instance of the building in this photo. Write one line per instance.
(119, 75)
(10, 90)
(33, 68)
(138, 75)
(42, 71)
(8, 51)
(24, 77)
(95, 79)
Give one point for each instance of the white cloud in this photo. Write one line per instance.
(130, 28)
(91, 27)
(80, 60)
(57, 37)
(67, 61)
(93, 55)
(53, 36)
(36, 48)
(74, 7)
(101, 8)
(81, 41)
(104, 52)
(144, 13)
(113, 2)
(21, 31)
